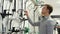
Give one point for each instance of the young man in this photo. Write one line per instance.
(46, 25)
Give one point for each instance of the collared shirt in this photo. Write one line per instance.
(45, 24)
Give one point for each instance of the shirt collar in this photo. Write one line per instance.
(46, 17)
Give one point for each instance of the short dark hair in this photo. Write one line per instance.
(49, 7)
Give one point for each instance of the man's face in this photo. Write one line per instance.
(44, 10)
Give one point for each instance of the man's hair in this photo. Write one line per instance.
(49, 7)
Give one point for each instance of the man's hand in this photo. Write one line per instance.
(26, 13)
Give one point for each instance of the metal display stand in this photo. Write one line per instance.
(4, 14)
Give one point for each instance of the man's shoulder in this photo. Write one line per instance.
(52, 21)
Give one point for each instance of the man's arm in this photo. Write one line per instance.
(33, 23)
(30, 21)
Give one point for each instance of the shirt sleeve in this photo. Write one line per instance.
(33, 23)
